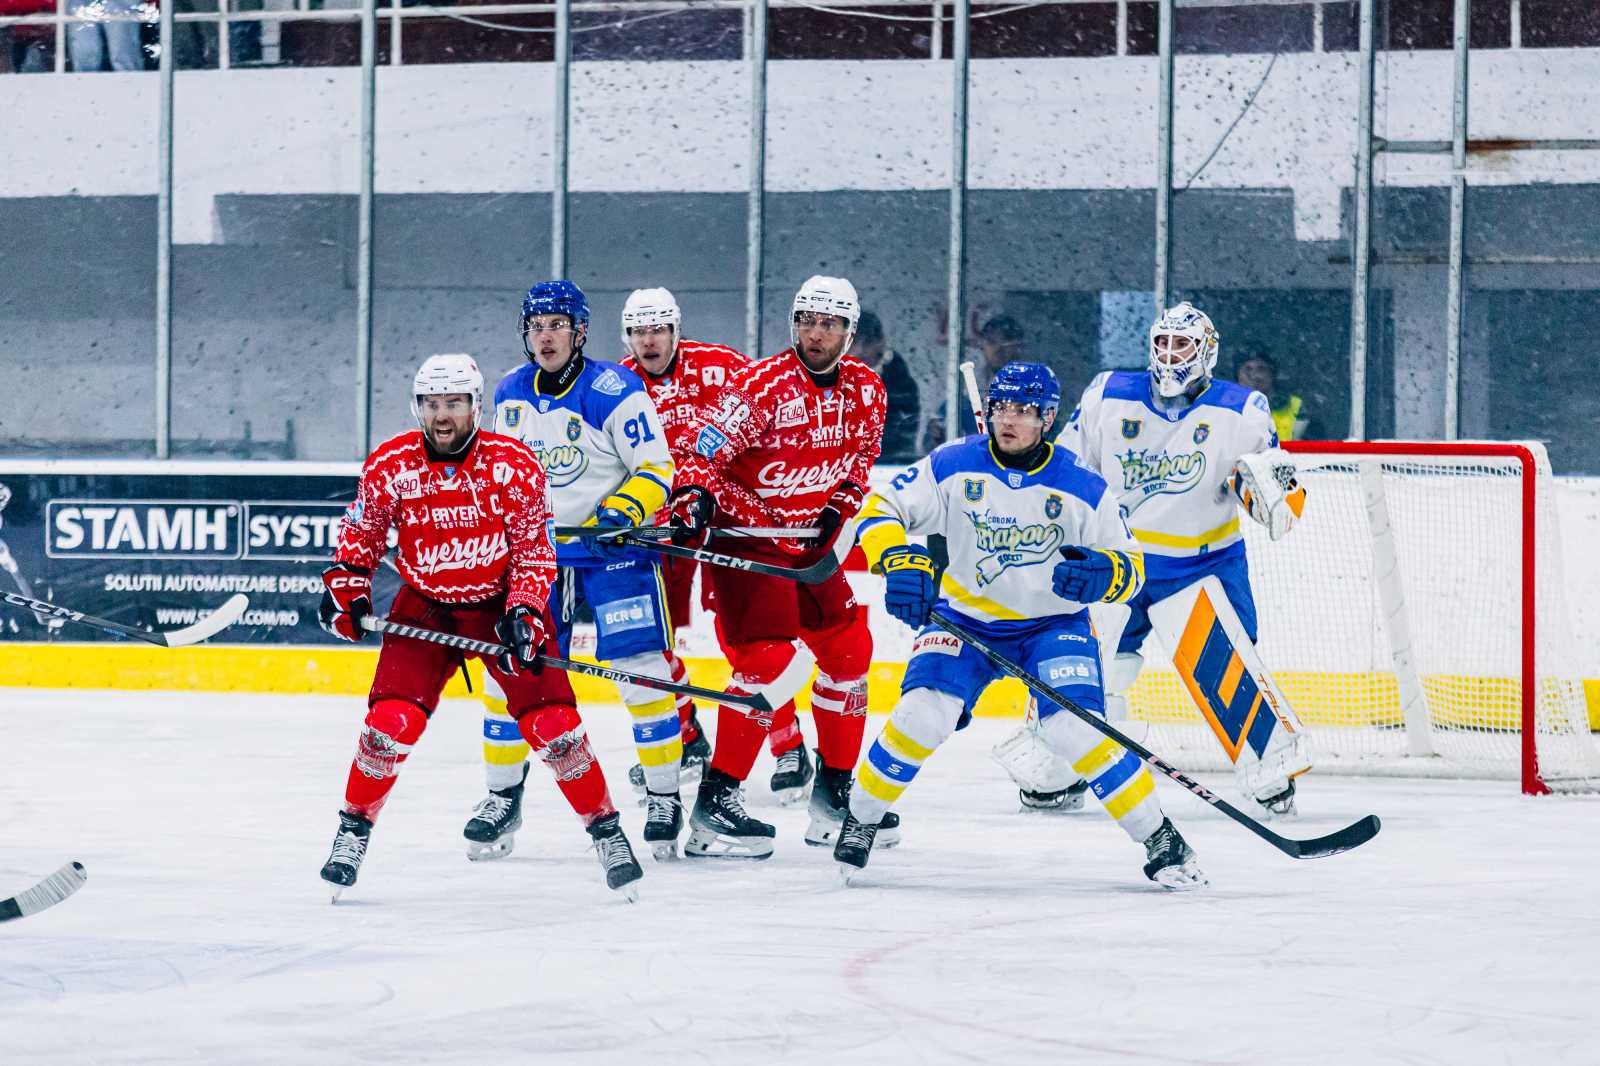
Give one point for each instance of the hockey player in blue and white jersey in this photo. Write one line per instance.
(1033, 538)
(1183, 451)
(600, 440)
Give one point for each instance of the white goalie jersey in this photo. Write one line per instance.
(1170, 471)
(1004, 527)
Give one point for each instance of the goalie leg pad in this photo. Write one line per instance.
(923, 720)
(1218, 663)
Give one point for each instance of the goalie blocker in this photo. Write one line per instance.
(1223, 672)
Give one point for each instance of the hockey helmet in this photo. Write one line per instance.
(649, 307)
(446, 375)
(1026, 384)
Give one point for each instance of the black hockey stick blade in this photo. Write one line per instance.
(47, 893)
(206, 628)
(756, 702)
(1351, 836)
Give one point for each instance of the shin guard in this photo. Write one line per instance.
(392, 728)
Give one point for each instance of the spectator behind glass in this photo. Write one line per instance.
(999, 342)
(905, 407)
(89, 43)
(26, 49)
(1258, 370)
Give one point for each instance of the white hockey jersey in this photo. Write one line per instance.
(601, 437)
(1168, 469)
(1003, 527)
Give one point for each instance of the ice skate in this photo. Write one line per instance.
(616, 856)
(490, 830)
(1280, 806)
(830, 805)
(854, 846)
(791, 776)
(1171, 858)
(719, 828)
(1068, 799)
(662, 824)
(349, 848)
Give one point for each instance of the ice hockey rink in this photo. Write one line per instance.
(1464, 933)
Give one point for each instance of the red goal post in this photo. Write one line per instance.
(1415, 618)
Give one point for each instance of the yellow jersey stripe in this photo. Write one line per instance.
(1098, 756)
(505, 754)
(666, 753)
(905, 745)
(1139, 786)
(878, 786)
(1171, 540)
(951, 588)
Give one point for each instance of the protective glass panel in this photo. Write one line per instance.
(264, 266)
(866, 200)
(77, 308)
(1263, 137)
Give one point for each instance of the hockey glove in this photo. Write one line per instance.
(522, 632)
(1092, 575)
(840, 508)
(689, 513)
(908, 578)
(612, 547)
(346, 599)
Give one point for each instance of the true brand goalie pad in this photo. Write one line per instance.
(1237, 697)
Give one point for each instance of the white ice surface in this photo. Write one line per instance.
(1465, 933)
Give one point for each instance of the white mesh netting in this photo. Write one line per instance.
(1337, 596)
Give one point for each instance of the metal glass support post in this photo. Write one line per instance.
(755, 219)
(558, 186)
(164, 240)
(364, 217)
(1361, 254)
(955, 324)
(1458, 218)
(1164, 154)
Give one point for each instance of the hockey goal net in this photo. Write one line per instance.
(1415, 618)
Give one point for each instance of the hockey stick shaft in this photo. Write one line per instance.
(1351, 836)
(483, 647)
(207, 627)
(664, 532)
(969, 374)
(816, 573)
(47, 893)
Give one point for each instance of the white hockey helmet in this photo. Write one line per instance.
(827, 296)
(1183, 349)
(446, 375)
(650, 307)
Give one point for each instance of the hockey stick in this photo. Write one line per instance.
(664, 532)
(1351, 836)
(755, 702)
(47, 893)
(208, 627)
(970, 376)
(814, 574)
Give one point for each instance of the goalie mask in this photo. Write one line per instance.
(1183, 351)
(649, 307)
(447, 375)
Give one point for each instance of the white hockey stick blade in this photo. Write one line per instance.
(209, 626)
(47, 893)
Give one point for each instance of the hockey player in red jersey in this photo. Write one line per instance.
(790, 443)
(685, 379)
(476, 560)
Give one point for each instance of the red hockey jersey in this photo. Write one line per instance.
(777, 446)
(469, 529)
(686, 396)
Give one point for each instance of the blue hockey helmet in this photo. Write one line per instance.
(560, 297)
(1028, 384)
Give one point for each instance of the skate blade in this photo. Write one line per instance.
(1184, 878)
(629, 893)
(847, 873)
(886, 839)
(335, 893)
(823, 834)
(790, 797)
(666, 851)
(499, 849)
(703, 845)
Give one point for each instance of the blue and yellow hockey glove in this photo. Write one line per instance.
(908, 574)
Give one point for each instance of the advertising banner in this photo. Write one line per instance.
(162, 545)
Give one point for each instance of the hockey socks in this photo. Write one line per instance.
(839, 709)
(923, 720)
(392, 728)
(1115, 775)
(739, 740)
(680, 674)
(557, 734)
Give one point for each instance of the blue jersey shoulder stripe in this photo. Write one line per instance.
(1061, 471)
